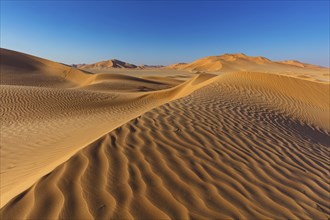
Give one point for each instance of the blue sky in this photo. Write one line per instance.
(165, 32)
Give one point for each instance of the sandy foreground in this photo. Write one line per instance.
(163, 143)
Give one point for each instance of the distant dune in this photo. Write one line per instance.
(177, 66)
(300, 64)
(108, 64)
(144, 66)
(249, 141)
(241, 62)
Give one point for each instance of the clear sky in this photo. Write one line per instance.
(165, 32)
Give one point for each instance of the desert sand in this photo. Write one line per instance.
(106, 64)
(241, 63)
(225, 137)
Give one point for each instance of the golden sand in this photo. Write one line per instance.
(244, 142)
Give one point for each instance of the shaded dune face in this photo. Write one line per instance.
(234, 149)
(18, 61)
(27, 70)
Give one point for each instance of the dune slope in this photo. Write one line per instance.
(27, 70)
(46, 121)
(245, 146)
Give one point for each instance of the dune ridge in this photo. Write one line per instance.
(231, 149)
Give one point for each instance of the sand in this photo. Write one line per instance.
(242, 63)
(107, 64)
(147, 145)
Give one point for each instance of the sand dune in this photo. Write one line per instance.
(242, 62)
(26, 70)
(239, 145)
(176, 66)
(42, 126)
(300, 64)
(107, 64)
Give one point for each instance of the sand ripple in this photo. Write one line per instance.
(244, 147)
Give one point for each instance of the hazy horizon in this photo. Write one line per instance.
(163, 33)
